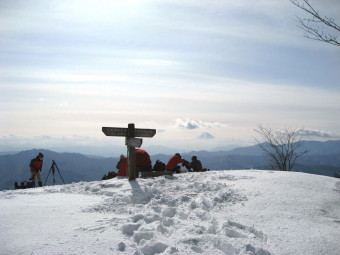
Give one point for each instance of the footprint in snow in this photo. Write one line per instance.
(237, 230)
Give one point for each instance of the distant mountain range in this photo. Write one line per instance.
(323, 158)
(72, 167)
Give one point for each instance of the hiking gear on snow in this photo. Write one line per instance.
(110, 175)
(23, 185)
(155, 173)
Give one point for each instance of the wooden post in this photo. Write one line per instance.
(130, 133)
(131, 153)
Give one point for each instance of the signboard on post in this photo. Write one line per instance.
(139, 132)
(115, 131)
(144, 132)
(131, 142)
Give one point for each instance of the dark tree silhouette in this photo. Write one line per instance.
(315, 26)
(281, 146)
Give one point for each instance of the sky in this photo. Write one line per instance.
(244, 212)
(202, 73)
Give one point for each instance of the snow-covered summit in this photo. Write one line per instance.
(216, 212)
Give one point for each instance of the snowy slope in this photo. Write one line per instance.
(217, 212)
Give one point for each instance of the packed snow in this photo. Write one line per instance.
(216, 212)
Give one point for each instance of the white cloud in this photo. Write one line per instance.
(192, 124)
(317, 134)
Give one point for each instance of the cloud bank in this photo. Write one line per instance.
(193, 124)
(316, 133)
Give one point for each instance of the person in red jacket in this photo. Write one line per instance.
(122, 166)
(35, 169)
(143, 161)
(173, 161)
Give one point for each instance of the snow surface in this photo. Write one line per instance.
(216, 212)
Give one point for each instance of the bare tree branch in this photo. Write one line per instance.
(314, 26)
(281, 146)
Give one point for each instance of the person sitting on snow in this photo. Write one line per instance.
(143, 161)
(122, 166)
(173, 162)
(196, 164)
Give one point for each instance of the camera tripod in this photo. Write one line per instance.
(52, 169)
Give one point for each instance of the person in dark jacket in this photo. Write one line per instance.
(173, 162)
(196, 164)
(35, 169)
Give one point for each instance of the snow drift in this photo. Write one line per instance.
(216, 212)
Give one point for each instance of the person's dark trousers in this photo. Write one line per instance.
(177, 169)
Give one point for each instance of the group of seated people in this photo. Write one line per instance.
(144, 164)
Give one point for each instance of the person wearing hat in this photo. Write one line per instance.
(173, 162)
(122, 166)
(196, 164)
(35, 169)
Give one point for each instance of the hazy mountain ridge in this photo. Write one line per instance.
(73, 167)
(323, 159)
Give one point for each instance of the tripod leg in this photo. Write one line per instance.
(47, 176)
(60, 174)
(53, 173)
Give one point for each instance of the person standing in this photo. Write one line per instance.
(173, 161)
(35, 169)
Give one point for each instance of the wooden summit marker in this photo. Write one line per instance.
(131, 142)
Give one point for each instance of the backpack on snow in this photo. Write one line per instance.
(110, 175)
(24, 185)
(159, 166)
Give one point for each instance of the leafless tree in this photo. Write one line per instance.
(315, 26)
(281, 146)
